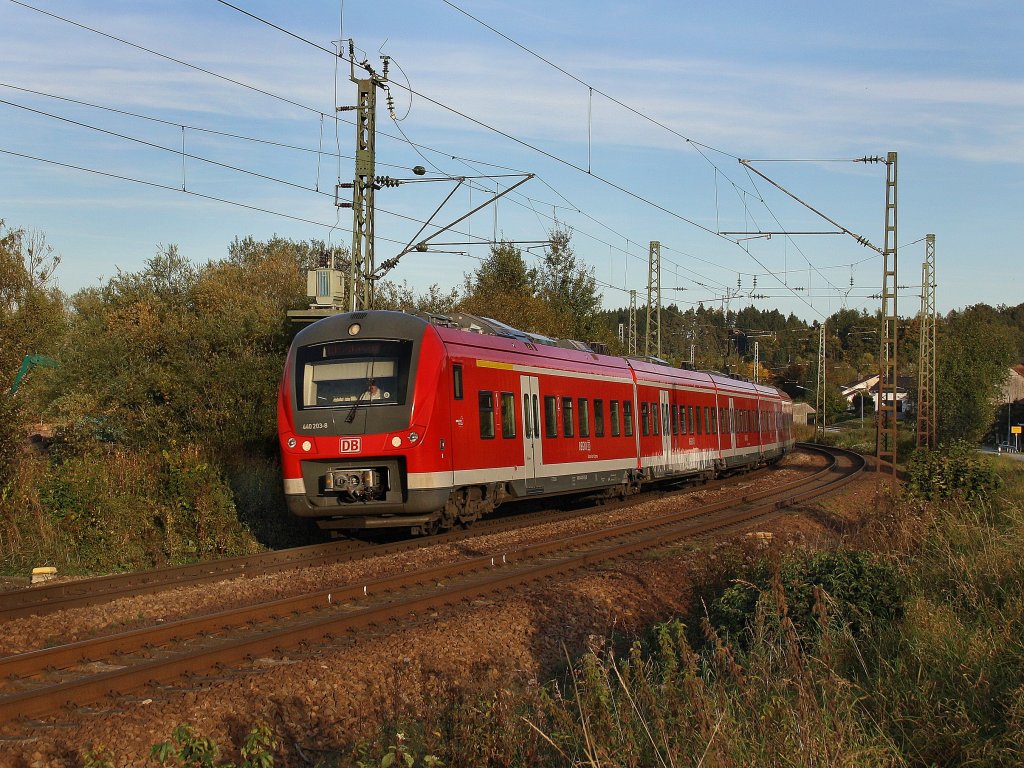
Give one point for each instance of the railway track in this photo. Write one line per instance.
(38, 682)
(58, 596)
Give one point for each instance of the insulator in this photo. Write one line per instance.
(755, 282)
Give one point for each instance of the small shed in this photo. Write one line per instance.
(804, 413)
(1013, 389)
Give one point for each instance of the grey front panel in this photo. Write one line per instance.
(316, 502)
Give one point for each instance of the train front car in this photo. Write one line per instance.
(357, 412)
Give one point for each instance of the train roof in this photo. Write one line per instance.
(504, 340)
(541, 346)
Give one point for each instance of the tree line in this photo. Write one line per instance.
(167, 379)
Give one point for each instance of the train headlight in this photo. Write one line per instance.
(292, 442)
(354, 329)
(396, 441)
(413, 437)
(306, 445)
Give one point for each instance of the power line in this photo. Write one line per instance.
(446, 107)
(585, 84)
(158, 185)
(152, 52)
(171, 150)
(522, 142)
(696, 145)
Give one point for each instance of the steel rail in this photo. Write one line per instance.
(87, 689)
(49, 598)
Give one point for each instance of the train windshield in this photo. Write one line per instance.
(348, 373)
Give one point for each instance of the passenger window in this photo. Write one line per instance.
(457, 381)
(627, 417)
(487, 415)
(689, 417)
(584, 417)
(598, 418)
(613, 414)
(645, 419)
(567, 425)
(675, 419)
(508, 415)
(655, 419)
(550, 417)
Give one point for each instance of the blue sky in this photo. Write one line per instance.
(941, 83)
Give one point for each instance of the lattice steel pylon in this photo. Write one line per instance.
(819, 393)
(885, 415)
(632, 323)
(652, 344)
(360, 284)
(927, 423)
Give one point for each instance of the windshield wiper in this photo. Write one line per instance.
(371, 385)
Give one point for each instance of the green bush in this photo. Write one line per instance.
(954, 471)
(186, 749)
(99, 508)
(198, 510)
(858, 589)
(10, 437)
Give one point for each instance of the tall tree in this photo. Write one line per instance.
(569, 288)
(31, 322)
(975, 349)
(504, 288)
(182, 352)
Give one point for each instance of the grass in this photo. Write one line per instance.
(943, 684)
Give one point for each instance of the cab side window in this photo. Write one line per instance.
(457, 382)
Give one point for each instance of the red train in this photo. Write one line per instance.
(395, 420)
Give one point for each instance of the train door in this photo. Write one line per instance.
(532, 453)
(759, 426)
(731, 424)
(666, 431)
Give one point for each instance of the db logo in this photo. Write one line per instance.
(350, 445)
